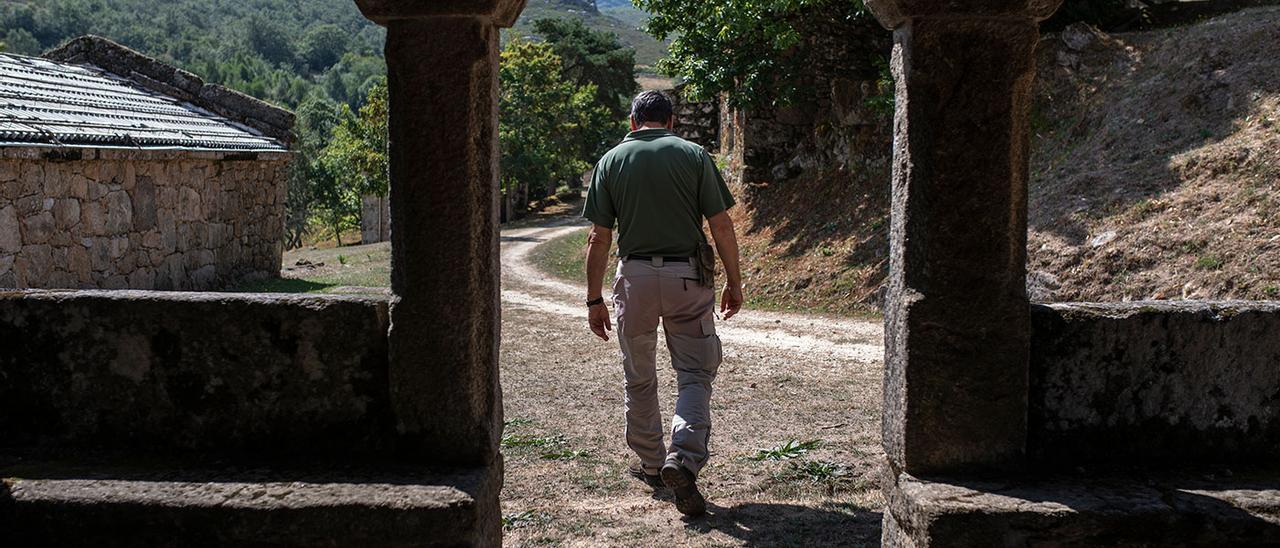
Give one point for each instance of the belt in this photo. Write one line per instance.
(664, 259)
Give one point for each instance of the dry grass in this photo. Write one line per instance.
(1157, 166)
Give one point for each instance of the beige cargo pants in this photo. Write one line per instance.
(643, 293)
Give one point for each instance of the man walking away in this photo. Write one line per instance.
(657, 188)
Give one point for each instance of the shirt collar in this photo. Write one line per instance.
(647, 134)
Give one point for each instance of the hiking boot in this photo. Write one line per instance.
(685, 487)
(637, 471)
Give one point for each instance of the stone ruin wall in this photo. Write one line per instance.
(696, 121)
(116, 219)
(828, 124)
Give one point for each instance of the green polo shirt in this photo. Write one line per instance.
(656, 188)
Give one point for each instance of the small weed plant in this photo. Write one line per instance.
(521, 519)
(511, 441)
(566, 454)
(789, 450)
(1209, 262)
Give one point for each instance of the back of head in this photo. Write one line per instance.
(651, 107)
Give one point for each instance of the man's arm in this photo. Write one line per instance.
(598, 242)
(726, 239)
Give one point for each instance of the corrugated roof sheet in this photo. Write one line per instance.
(49, 103)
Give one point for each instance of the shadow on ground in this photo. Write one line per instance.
(763, 524)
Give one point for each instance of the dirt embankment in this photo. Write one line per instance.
(1155, 175)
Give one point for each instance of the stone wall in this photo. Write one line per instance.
(829, 124)
(696, 121)
(180, 373)
(1173, 382)
(375, 219)
(139, 219)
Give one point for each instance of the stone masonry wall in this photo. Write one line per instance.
(1149, 382)
(116, 219)
(828, 125)
(171, 373)
(696, 121)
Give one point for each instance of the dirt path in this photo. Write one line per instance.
(785, 376)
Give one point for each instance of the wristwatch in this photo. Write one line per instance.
(595, 301)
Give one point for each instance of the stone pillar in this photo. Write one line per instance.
(442, 66)
(957, 319)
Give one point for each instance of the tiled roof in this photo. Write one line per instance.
(50, 103)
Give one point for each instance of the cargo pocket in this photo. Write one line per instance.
(713, 350)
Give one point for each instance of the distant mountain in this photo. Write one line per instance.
(616, 16)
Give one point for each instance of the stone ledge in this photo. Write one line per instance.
(1066, 511)
(1155, 381)
(68, 505)
(163, 373)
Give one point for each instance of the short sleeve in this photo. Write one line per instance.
(599, 209)
(713, 193)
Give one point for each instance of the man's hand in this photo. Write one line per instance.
(727, 245)
(731, 301)
(598, 241)
(598, 317)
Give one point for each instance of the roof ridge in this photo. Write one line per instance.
(121, 61)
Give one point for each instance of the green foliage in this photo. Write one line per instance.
(278, 50)
(1211, 261)
(322, 46)
(749, 48)
(789, 450)
(546, 122)
(357, 149)
(516, 440)
(351, 164)
(593, 57)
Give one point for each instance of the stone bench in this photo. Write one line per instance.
(203, 419)
(1243, 510)
(236, 375)
(101, 505)
(1149, 424)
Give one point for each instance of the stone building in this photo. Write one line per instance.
(118, 171)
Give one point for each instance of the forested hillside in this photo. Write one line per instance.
(277, 50)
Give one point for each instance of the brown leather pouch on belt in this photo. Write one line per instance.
(706, 266)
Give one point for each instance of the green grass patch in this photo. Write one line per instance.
(566, 454)
(565, 257)
(367, 266)
(526, 518)
(785, 451)
(511, 441)
(1211, 261)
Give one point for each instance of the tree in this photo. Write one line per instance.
(751, 49)
(316, 118)
(543, 122)
(269, 39)
(353, 162)
(593, 57)
(322, 46)
(21, 41)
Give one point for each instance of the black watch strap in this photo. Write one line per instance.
(595, 301)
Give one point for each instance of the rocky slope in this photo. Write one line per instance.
(1155, 174)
